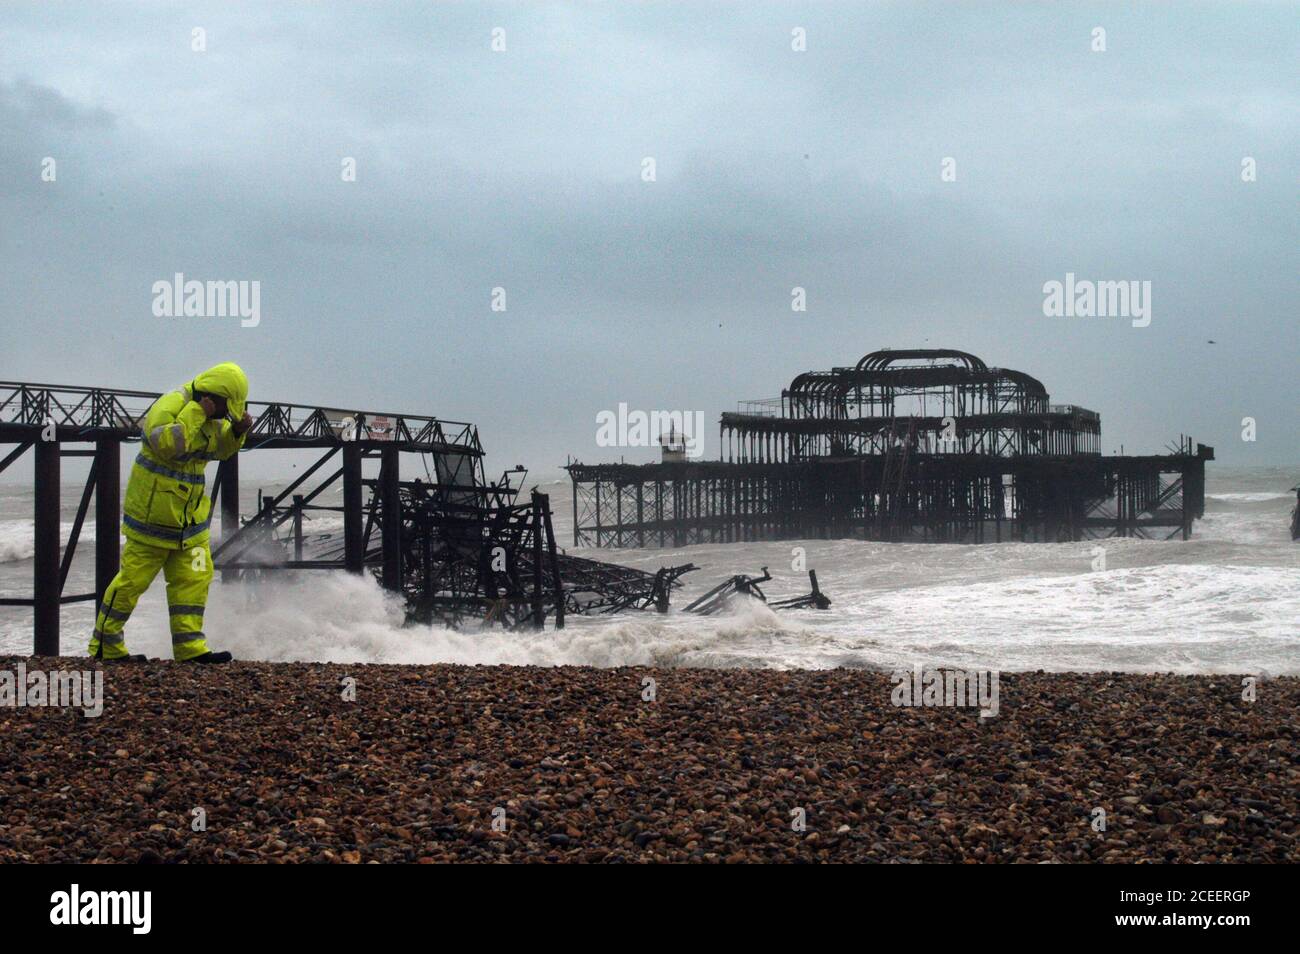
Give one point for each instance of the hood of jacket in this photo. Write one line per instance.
(226, 380)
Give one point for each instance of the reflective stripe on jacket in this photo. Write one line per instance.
(165, 501)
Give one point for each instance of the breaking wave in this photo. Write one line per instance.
(16, 538)
(1228, 601)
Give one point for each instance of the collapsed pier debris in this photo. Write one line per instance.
(665, 580)
(455, 545)
(814, 599)
(722, 596)
(742, 586)
(918, 445)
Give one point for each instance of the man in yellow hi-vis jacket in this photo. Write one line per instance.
(166, 514)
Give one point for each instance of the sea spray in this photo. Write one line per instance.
(338, 617)
(1224, 602)
(18, 538)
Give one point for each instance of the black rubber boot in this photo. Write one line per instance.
(212, 658)
(139, 658)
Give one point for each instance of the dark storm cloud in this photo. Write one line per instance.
(775, 169)
(28, 108)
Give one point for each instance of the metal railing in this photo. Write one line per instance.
(99, 411)
(1073, 410)
(768, 407)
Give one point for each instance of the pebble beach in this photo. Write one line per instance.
(297, 762)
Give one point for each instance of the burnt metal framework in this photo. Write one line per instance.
(47, 418)
(940, 401)
(475, 554)
(904, 446)
(744, 586)
(453, 544)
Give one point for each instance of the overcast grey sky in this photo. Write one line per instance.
(775, 168)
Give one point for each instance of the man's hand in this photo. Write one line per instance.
(208, 405)
(241, 426)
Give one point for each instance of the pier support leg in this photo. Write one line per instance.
(228, 480)
(391, 503)
(354, 555)
(556, 582)
(539, 609)
(108, 513)
(45, 571)
(576, 521)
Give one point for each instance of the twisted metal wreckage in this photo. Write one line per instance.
(923, 445)
(926, 445)
(457, 546)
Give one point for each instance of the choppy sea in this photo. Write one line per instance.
(1227, 601)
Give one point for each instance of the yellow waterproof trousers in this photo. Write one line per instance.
(188, 572)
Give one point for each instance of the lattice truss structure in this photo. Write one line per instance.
(918, 445)
(456, 545)
(941, 401)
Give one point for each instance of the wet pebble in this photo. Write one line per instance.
(489, 763)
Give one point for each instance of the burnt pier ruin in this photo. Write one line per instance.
(915, 445)
(416, 511)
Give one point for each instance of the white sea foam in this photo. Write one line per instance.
(1250, 497)
(17, 538)
(1180, 618)
(1228, 601)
